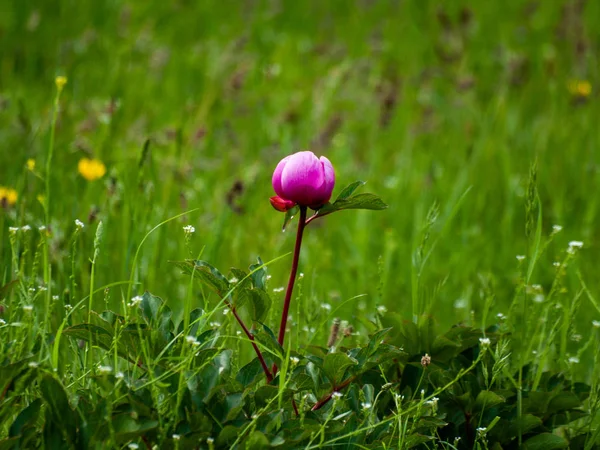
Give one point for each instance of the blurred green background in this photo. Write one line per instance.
(430, 102)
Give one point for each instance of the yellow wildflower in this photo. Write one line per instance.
(60, 82)
(8, 196)
(580, 88)
(91, 169)
(30, 164)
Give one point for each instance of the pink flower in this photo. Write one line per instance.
(303, 179)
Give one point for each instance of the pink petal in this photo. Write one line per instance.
(302, 178)
(276, 180)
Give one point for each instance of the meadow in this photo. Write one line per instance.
(138, 137)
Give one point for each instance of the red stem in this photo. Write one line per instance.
(328, 397)
(256, 349)
(292, 280)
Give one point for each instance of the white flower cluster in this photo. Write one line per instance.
(135, 301)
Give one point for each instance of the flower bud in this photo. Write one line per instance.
(304, 179)
(281, 204)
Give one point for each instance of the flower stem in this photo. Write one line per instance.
(256, 349)
(328, 397)
(292, 280)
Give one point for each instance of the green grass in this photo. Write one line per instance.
(442, 108)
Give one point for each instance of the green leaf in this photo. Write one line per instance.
(258, 441)
(486, 400)
(545, 441)
(206, 274)
(61, 414)
(250, 373)
(9, 444)
(359, 201)
(227, 436)
(349, 190)
(563, 401)
(374, 342)
(257, 302)
(271, 347)
(243, 281)
(11, 371)
(195, 314)
(27, 417)
(157, 315)
(526, 423)
(289, 216)
(126, 427)
(259, 275)
(335, 366)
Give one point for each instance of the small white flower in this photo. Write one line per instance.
(135, 301)
(485, 342)
(55, 297)
(596, 323)
(42, 228)
(215, 324)
(68, 307)
(226, 311)
(25, 228)
(119, 375)
(520, 257)
(481, 431)
(556, 228)
(13, 230)
(337, 395)
(31, 289)
(500, 316)
(301, 275)
(238, 332)
(33, 364)
(278, 289)
(268, 277)
(2, 322)
(460, 303)
(366, 405)
(192, 341)
(576, 337)
(295, 360)
(574, 360)
(133, 446)
(326, 306)
(28, 308)
(189, 229)
(42, 288)
(556, 264)
(574, 246)
(211, 440)
(79, 224)
(381, 309)
(176, 437)
(105, 369)
(538, 298)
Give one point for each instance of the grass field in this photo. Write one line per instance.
(473, 121)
